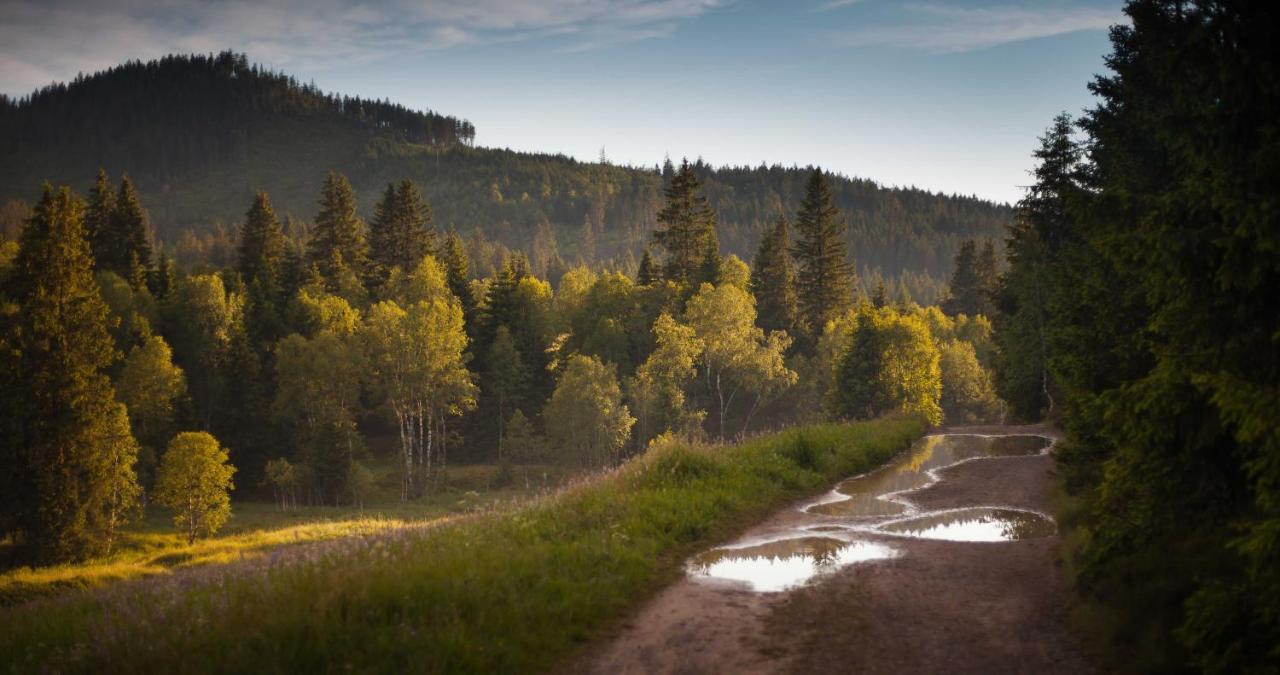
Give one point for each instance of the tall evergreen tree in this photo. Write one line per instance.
(262, 265)
(401, 232)
(338, 235)
(1022, 297)
(262, 243)
(971, 281)
(97, 218)
(686, 227)
(647, 273)
(457, 267)
(773, 280)
(67, 450)
(825, 280)
(124, 244)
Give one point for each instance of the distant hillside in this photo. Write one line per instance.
(199, 134)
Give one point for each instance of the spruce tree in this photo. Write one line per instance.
(68, 453)
(124, 245)
(262, 258)
(880, 296)
(401, 233)
(773, 279)
(457, 267)
(647, 273)
(971, 282)
(825, 279)
(338, 231)
(97, 218)
(686, 227)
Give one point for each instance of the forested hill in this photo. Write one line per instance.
(200, 134)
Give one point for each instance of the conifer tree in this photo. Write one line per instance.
(401, 233)
(647, 273)
(262, 244)
(971, 282)
(67, 451)
(124, 244)
(773, 279)
(339, 233)
(880, 296)
(825, 279)
(97, 218)
(457, 267)
(165, 277)
(686, 227)
(262, 258)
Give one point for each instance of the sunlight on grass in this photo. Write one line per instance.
(514, 588)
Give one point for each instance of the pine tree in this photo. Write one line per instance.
(647, 273)
(124, 244)
(97, 218)
(401, 233)
(773, 279)
(686, 227)
(165, 277)
(338, 231)
(68, 453)
(262, 244)
(971, 282)
(825, 279)
(262, 260)
(880, 296)
(457, 266)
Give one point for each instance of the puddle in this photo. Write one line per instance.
(865, 504)
(977, 524)
(911, 471)
(787, 563)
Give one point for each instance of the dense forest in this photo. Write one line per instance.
(1140, 309)
(228, 130)
(286, 365)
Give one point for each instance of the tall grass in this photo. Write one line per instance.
(515, 589)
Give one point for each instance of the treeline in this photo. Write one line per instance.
(200, 135)
(180, 115)
(1140, 308)
(299, 350)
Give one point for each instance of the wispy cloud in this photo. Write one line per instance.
(46, 40)
(835, 4)
(948, 29)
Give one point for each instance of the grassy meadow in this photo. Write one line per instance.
(153, 546)
(515, 587)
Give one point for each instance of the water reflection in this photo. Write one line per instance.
(784, 564)
(864, 493)
(977, 524)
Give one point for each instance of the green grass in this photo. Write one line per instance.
(153, 546)
(515, 589)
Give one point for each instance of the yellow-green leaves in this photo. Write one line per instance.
(194, 480)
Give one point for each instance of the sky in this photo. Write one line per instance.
(947, 95)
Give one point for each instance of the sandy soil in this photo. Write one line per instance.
(938, 607)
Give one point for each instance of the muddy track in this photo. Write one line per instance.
(937, 606)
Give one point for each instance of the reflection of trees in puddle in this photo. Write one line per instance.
(779, 565)
(911, 471)
(983, 524)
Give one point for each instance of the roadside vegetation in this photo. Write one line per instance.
(512, 589)
(151, 546)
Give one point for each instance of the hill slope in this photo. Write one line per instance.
(200, 134)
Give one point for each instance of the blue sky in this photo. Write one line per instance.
(945, 95)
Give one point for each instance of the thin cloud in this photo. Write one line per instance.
(944, 29)
(41, 41)
(835, 4)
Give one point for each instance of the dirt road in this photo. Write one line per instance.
(935, 606)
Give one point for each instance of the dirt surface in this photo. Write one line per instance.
(939, 606)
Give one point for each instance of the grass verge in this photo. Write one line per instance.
(512, 590)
